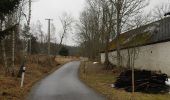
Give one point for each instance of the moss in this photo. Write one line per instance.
(127, 40)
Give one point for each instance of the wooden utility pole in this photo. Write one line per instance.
(49, 24)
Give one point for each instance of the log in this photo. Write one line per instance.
(145, 81)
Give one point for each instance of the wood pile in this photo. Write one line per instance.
(145, 81)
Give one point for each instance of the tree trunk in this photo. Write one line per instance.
(60, 43)
(4, 56)
(133, 76)
(13, 53)
(107, 51)
(29, 20)
(118, 35)
(4, 51)
(128, 62)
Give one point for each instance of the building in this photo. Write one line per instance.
(152, 42)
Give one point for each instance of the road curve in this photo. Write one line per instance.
(63, 84)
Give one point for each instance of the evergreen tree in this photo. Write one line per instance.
(64, 51)
(7, 7)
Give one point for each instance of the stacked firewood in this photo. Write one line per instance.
(145, 81)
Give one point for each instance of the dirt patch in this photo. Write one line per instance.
(64, 59)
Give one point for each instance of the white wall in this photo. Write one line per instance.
(102, 55)
(154, 57)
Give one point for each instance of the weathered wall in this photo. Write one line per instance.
(154, 57)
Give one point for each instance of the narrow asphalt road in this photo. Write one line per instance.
(63, 84)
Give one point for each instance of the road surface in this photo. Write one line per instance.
(63, 84)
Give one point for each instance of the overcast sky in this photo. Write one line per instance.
(42, 9)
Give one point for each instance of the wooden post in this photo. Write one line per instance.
(23, 75)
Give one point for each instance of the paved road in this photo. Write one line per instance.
(63, 84)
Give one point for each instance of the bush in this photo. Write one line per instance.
(64, 51)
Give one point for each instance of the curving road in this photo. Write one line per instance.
(63, 84)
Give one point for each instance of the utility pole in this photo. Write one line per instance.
(49, 23)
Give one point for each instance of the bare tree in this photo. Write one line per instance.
(37, 30)
(66, 21)
(160, 11)
(27, 15)
(88, 32)
(4, 56)
(95, 27)
(9, 25)
(41, 35)
(137, 22)
(27, 34)
(102, 18)
(108, 24)
(28, 23)
(125, 9)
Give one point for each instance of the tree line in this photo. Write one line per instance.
(102, 21)
(18, 37)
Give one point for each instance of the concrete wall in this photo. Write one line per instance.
(154, 57)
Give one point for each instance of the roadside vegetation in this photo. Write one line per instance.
(23, 44)
(37, 67)
(100, 80)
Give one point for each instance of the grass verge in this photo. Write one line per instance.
(95, 77)
(35, 71)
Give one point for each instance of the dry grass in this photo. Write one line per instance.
(101, 81)
(63, 59)
(37, 67)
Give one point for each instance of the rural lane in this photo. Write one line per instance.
(63, 84)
